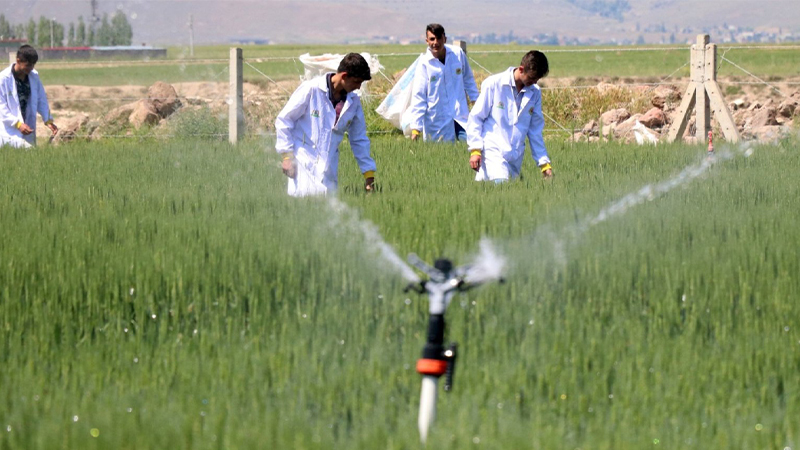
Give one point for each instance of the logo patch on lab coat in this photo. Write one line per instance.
(349, 122)
(501, 105)
(434, 78)
(458, 71)
(315, 113)
(530, 111)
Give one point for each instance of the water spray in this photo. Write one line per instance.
(437, 360)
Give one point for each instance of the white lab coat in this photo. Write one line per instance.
(305, 127)
(498, 128)
(10, 112)
(440, 94)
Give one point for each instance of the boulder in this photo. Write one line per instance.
(654, 118)
(665, 94)
(739, 103)
(144, 113)
(766, 134)
(591, 128)
(614, 116)
(164, 98)
(119, 114)
(762, 117)
(69, 130)
(790, 106)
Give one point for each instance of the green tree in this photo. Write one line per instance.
(5, 27)
(90, 41)
(30, 32)
(71, 35)
(80, 33)
(58, 34)
(104, 34)
(121, 29)
(43, 36)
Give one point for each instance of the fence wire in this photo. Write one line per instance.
(473, 57)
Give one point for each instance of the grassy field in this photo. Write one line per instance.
(169, 295)
(209, 63)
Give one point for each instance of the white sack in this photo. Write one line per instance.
(395, 107)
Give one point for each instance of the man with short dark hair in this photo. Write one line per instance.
(508, 110)
(21, 97)
(312, 125)
(442, 81)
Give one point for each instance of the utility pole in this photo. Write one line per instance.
(95, 19)
(191, 35)
(51, 31)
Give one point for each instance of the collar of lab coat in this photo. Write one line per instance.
(322, 83)
(526, 96)
(448, 53)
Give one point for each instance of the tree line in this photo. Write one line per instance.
(50, 33)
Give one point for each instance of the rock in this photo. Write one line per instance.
(614, 116)
(790, 106)
(144, 113)
(654, 118)
(766, 134)
(164, 98)
(665, 94)
(763, 117)
(738, 104)
(624, 130)
(70, 129)
(119, 114)
(590, 129)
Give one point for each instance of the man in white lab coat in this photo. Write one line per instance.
(442, 81)
(21, 97)
(508, 110)
(312, 125)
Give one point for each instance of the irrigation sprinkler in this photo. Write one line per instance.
(437, 360)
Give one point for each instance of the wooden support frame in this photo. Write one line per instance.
(703, 95)
(236, 97)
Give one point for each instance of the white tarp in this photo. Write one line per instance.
(329, 62)
(395, 107)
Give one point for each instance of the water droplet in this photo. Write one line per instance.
(132, 291)
(205, 401)
(380, 296)
(94, 432)
(683, 297)
(759, 427)
(786, 329)
(530, 322)
(134, 16)
(130, 410)
(305, 316)
(591, 410)
(474, 303)
(8, 428)
(135, 360)
(36, 398)
(202, 413)
(153, 317)
(476, 440)
(341, 342)
(563, 396)
(406, 366)
(500, 405)
(651, 370)
(610, 395)
(75, 418)
(125, 330)
(656, 441)
(408, 301)
(195, 331)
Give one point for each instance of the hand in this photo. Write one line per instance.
(547, 174)
(25, 129)
(369, 184)
(52, 127)
(289, 168)
(475, 162)
(415, 135)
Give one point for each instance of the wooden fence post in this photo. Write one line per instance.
(12, 57)
(236, 98)
(703, 95)
(462, 44)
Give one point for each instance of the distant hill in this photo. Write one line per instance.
(165, 22)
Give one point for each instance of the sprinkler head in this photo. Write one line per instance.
(443, 265)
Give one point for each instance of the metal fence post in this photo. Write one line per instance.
(236, 98)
